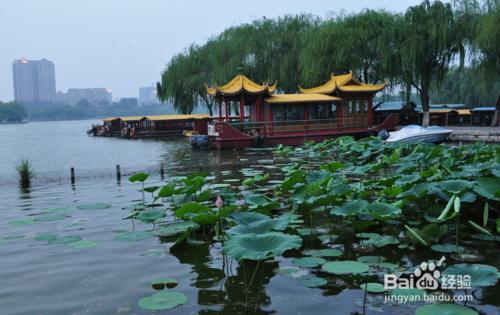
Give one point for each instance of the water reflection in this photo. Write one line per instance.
(229, 288)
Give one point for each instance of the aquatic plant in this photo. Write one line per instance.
(25, 172)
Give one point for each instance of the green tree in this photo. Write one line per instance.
(488, 41)
(12, 112)
(428, 41)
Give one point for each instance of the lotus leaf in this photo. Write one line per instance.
(20, 222)
(175, 228)
(133, 236)
(343, 267)
(327, 252)
(259, 227)
(481, 275)
(64, 239)
(51, 217)
(81, 244)
(93, 206)
(247, 217)
(488, 187)
(373, 287)
(312, 282)
(445, 309)
(447, 248)
(150, 216)
(259, 247)
(164, 283)
(138, 177)
(456, 187)
(352, 207)
(383, 211)
(163, 301)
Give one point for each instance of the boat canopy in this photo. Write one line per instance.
(344, 83)
(242, 84)
(158, 117)
(300, 98)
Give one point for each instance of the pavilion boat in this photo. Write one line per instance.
(155, 126)
(341, 106)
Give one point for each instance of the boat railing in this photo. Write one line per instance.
(301, 125)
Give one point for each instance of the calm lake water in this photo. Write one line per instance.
(38, 278)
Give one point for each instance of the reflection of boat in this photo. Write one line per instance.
(415, 133)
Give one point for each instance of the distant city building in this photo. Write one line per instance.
(34, 80)
(95, 95)
(147, 95)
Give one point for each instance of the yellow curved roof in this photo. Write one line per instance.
(300, 98)
(362, 88)
(345, 83)
(241, 84)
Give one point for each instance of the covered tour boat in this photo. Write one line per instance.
(341, 106)
(156, 126)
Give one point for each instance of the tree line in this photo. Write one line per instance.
(12, 112)
(433, 49)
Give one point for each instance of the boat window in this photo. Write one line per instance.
(323, 111)
(366, 105)
(350, 107)
(357, 107)
(288, 112)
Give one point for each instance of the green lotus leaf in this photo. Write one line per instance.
(64, 239)
(381, 241)
(260, 201)
(45, 237)
(481, 275)
(292, 271)
(50, 217)
(189, 209)
(351, 208)
(259, 247)
(447, 248)
(163, 301)
(154, 253)
(308, 262)
(82, 244)
(94, 206)
(259, 227)
(12, 237)
(373, 287)
(58, 209)
(445, 309)
(164, 283)
(166, 191)
(344, 267)
(175, 228)
(488, 187)
(455, 186)
(327, 252)
(133, 236)
(151, 189)
(247, 217)
(150, 216)
(371, 259)
(407, 179)
(21, 222)
(383, 211)
(138, 177)
(312, 282)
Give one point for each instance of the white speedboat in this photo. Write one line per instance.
(415, 133)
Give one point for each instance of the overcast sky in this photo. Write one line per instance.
(125, 44)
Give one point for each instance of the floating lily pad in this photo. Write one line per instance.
(343, 267)
(50, 217)
(481, 275)
(164, 283)
(94, 206)
(371, 259)
(327, 252)
(175, 228)
(447, 248)
(373, 287)
(312, 282)
(163, 301)
(133, 236)
(45, 237)
(445, 309)
(308, 262)
(64, 239)
(292, 271)
(83, 244)
(305, 231)
(21, 222)
(150, 216)
(247, 217)
(58, 209)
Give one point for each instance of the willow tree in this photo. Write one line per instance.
(359, 42)
(428, 42)
(488, 41)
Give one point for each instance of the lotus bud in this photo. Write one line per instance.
(219, 202)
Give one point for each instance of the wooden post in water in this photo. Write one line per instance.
(118, 172)
(162, 174)
(72, 171)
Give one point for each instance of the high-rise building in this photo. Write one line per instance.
(95, 95)
(147, 95)
(34, 80)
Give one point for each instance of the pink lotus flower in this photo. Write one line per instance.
(219, 202)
